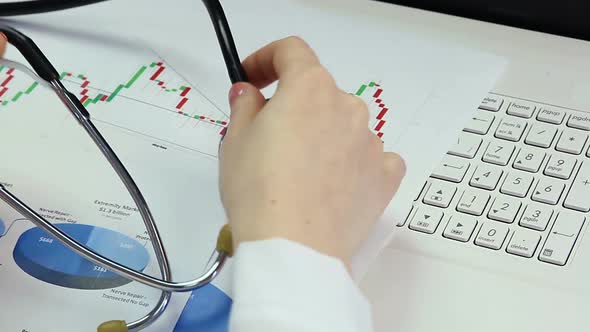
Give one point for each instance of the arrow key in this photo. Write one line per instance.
(440, 194)
(504, 209)
(460, 228)
(562, 238)
(486, 177)
(426, 219)
(548, 191)
(480, 123)
(529, 159)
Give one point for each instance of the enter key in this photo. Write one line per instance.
(562, 238)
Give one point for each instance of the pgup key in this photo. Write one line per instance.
(578, 197)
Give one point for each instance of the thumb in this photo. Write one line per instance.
(245, 102)
(394, 172)
(3, 42)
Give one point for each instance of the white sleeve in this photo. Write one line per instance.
(283, 286)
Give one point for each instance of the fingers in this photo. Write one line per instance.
(277, 59)
(3, 42)
(394, 171)
(246, 101)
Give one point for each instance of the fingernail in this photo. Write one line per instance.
(236, 90)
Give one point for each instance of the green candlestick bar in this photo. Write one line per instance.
(128, 85)
(361, 90)
(16, 96)
(20, 93)
(32, 87)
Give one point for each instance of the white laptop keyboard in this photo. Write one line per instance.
(516, 181)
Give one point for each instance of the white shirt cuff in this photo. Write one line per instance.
(281, 286)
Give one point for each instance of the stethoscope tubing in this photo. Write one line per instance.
(45, 70)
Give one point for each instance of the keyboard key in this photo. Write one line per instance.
(451, 169)
(491, 235)
(541, 135)
(426, 219)
(529, 160)
(424, 187)
(460, 228)
(572, 141)
(562, 238)
(466, 146)
(504, 209)
(578, 197)
(521, 109)
(548, 191)
(491, 103)
(440, 194)
(402, 221)
(486, 177)
(511, 129)
(580, 121)
(480, 123)
(499, 153)
(536, 216)
(523, 243)
(473, 202)
(551, 115)
(560, 166)
(517, 184)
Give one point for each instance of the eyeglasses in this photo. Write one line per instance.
(67, 234)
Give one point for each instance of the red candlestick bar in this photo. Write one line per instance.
(157, 73)
(377, 93)
(185, 91)
(379, 125)
(181, 103)
(382, 113)
(6, 80)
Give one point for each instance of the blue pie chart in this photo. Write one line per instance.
(208, 309)
(45, 258)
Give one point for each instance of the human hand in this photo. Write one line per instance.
(3, 44)
(303, 166)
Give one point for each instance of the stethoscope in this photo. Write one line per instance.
(45, 70)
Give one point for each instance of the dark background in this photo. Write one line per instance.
(569, 18)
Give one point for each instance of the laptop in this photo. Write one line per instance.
(497, 237)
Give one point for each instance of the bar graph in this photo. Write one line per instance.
(153, 101)
(372, 94)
